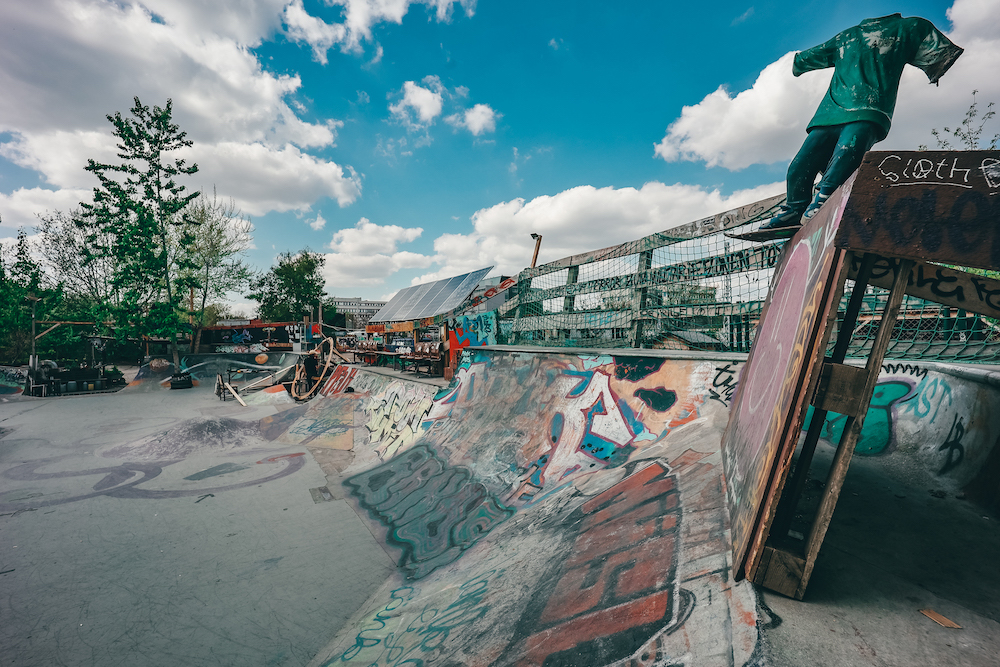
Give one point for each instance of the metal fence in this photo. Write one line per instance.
(693, 288)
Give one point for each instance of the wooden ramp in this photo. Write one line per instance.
(892, 225)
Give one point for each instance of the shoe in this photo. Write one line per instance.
(786, 217)
(815, 206)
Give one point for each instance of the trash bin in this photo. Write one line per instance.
(71, 385)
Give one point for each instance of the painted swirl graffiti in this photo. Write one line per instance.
(124, 480)
(433, 511)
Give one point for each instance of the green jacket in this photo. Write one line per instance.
(868, 60)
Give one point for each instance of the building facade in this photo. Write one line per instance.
(357, 310)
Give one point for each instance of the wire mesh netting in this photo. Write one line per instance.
(694, 288)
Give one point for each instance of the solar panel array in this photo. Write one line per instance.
(430, 299)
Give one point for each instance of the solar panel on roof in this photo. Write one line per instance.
(430, 299)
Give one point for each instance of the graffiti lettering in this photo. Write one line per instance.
(931, 394)
(434, 511)
(386, 642)
(394, 416)
(339, 380)
(904, 369)
(953, 445)
(724, 384)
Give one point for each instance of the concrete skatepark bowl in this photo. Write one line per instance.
(547, 507)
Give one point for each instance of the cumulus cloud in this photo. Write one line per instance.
(420, 105)
(767, 122)
(576, 220)
(317, 223)
(761, 125)
(478, 120)
(366, 254)
(303, 27)
(359, 16)
(66, 64)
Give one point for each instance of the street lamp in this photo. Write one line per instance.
(538, 243)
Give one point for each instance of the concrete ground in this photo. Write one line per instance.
(894, 548)
(228, 555)
(222, 557)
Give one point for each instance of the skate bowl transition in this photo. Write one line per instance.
(561, 508)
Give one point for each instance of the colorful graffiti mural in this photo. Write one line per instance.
(472, 331)
(537, 516)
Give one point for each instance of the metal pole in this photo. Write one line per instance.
(538, 243)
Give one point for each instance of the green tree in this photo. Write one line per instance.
(222, 236)
(290, 288)
(136, 223)
(21, 281)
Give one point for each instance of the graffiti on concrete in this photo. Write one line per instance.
(473, 331)
(932, 394)
(339, 380)
(433, 511)
(953, 445)
(724, 383)
(386, 641)
(126, 480)
(619, 587)
(394, 416)
(878, 430)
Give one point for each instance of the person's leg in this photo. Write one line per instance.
(812, 157)
(854, 141)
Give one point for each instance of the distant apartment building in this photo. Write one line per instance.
(357, 310)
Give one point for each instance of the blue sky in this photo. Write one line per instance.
(412, 141)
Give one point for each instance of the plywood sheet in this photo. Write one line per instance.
(769, 406)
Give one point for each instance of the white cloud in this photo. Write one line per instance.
(303, 27)
(576, 220)
(359, 16)
(478, 120)
(761, 125)
(767, 123)
(65, 64)
(368, 238)
(22, 206)
(419, 106)
(367, 254)
(319, 222)
(742, 17)
(261, 178)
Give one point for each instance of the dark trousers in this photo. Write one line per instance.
(835, 150)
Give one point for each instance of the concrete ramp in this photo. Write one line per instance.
(545, 509)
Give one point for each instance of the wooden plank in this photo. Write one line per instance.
(790, 498)
(779, 571)
(852, 429)
(950, 287)
(937, 206)
(840, 388)
(939, 619)
(770, 405)
(233, 392)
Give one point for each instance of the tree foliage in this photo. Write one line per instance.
(969, 131)
(290, 288)
(221, 237)
(21, 280)
(135, 226)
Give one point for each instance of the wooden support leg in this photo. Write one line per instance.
(845, 449)
(786, 511)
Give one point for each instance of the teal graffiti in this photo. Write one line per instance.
(931, 394)
(876, 435)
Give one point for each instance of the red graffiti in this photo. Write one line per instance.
(339, 380)
(618, 589)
